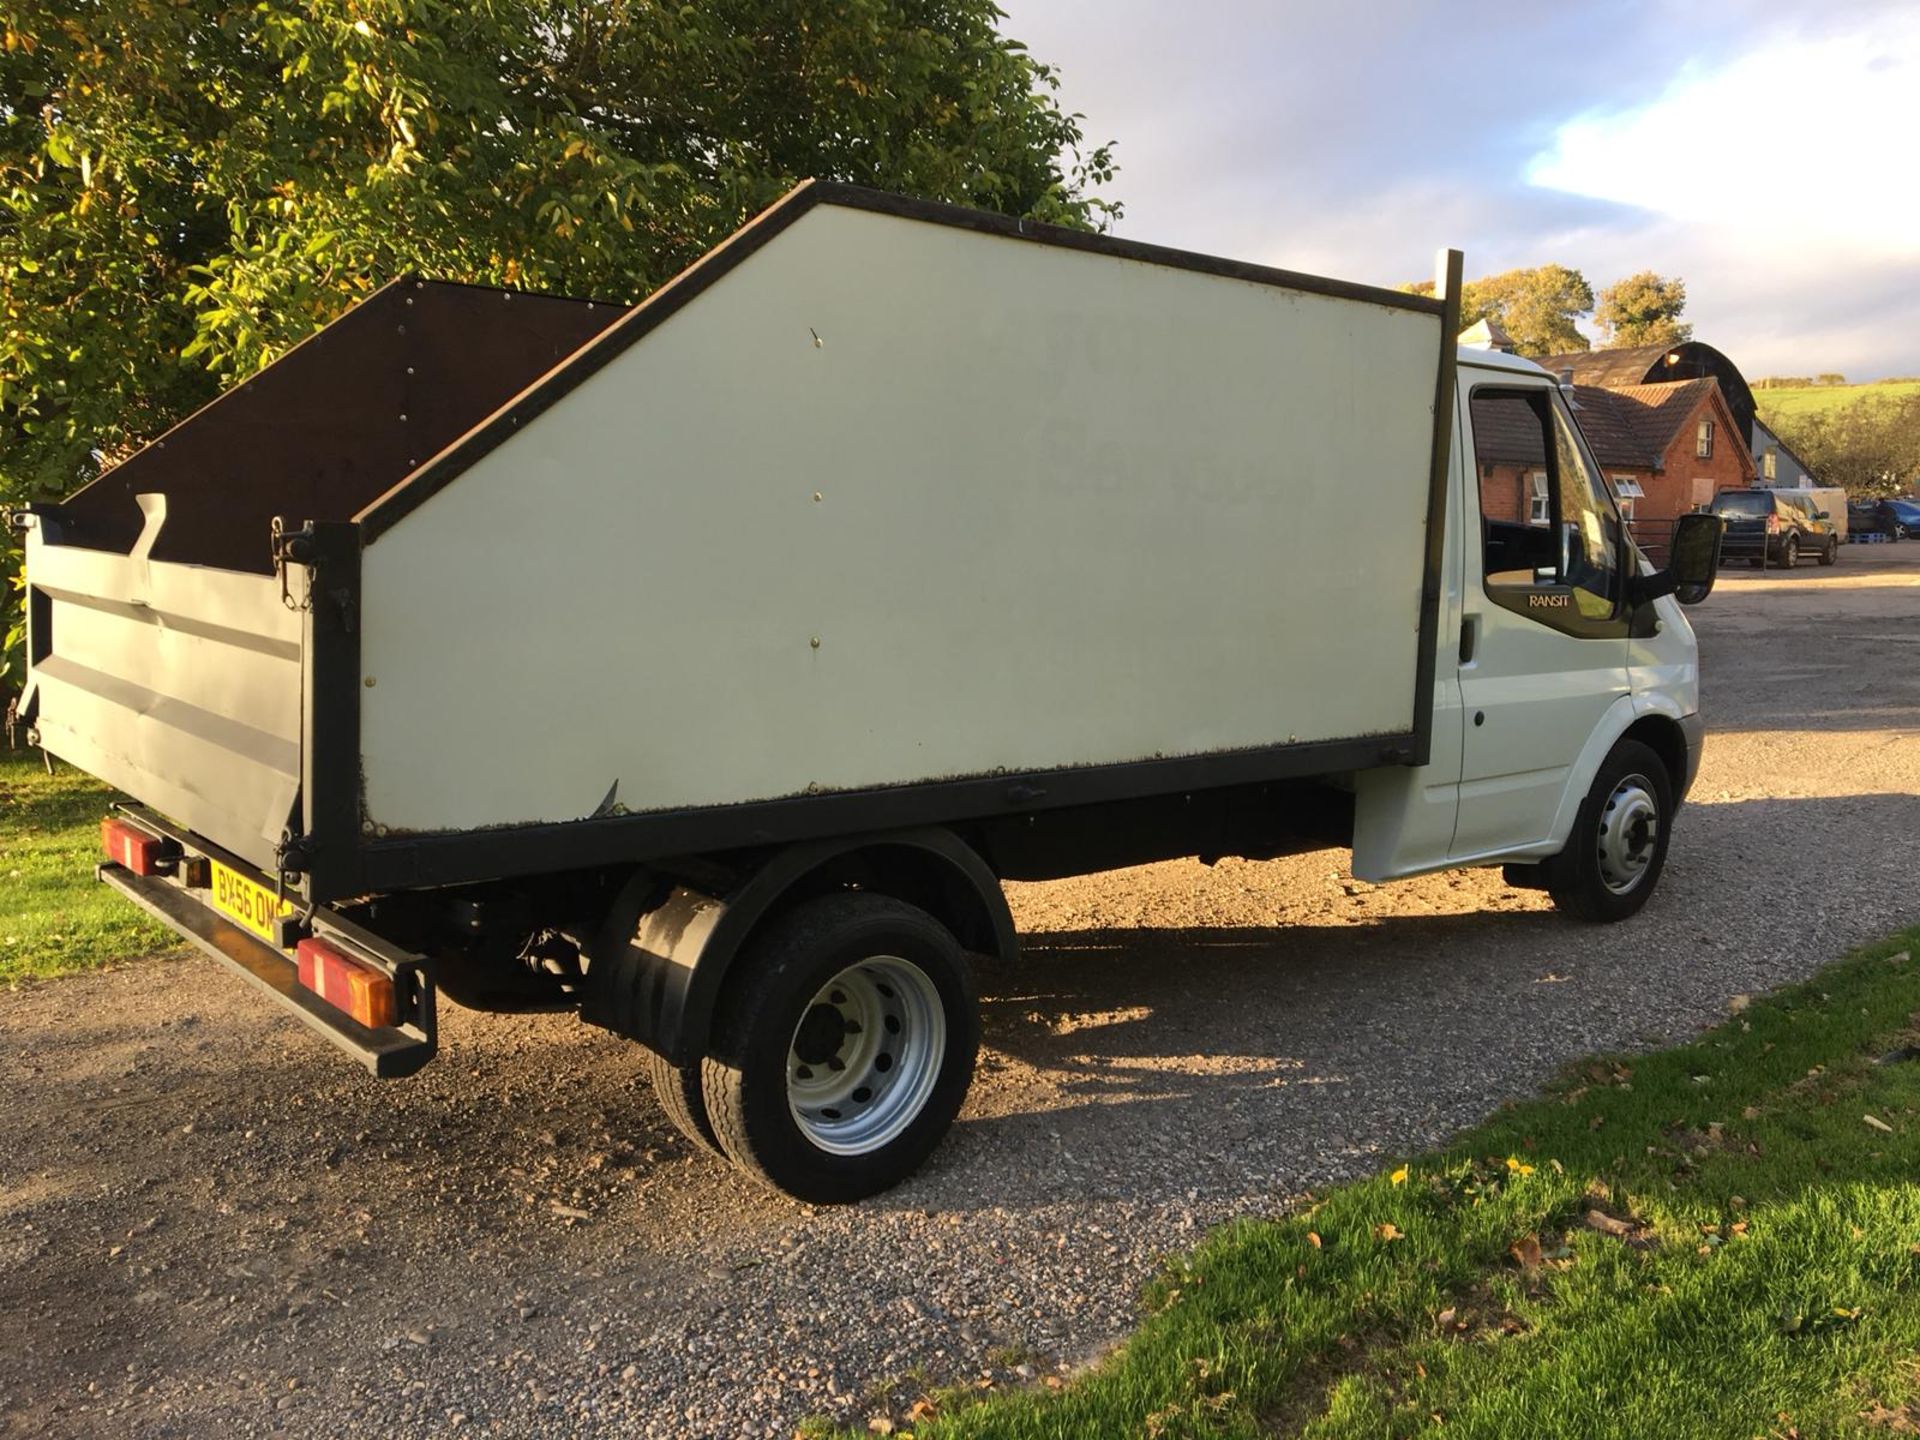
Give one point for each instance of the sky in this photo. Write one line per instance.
(1766, 151)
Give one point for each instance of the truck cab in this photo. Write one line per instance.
(1559, 656)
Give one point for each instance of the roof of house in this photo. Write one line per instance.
(1611, 423)
(1634, 365)
(1660, 412)
(1627, 425)
(1658, 364)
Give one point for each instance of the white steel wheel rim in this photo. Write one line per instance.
(1629, 834)
(865, 1055)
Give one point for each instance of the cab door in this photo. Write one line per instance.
(1544, 631)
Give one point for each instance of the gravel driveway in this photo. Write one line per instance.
(213, 1225)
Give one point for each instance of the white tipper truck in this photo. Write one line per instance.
(706, 664)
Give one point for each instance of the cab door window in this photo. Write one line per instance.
(1551, 538)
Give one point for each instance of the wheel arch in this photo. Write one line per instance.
(1662, 734)
(657, 965)
(1651, 718)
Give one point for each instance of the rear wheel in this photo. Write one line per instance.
(1618, 847)
(1790, 555)
(678, 1090)
(843, 1047)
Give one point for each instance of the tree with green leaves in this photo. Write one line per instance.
(1538, 308)
(189, 187)
(1643, 309)
(1871, 447)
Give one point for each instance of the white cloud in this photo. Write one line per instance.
(1780, 186)
(1802, 145)
(1763, 150)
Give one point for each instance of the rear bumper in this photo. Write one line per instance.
(1750, 545)
(187, 910)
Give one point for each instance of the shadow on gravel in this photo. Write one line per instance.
(1166, 1011)
(1162, 1051)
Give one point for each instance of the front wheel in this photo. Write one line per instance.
(1618, 847)
(843, 1047)
(1832, 553)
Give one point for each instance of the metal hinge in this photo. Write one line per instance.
(297, 547)
(292, 858)
(303, 547)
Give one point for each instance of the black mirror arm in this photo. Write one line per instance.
(1643, 589)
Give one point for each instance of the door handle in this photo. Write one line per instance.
(1469, 639)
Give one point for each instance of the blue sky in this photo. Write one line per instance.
(1767, 152)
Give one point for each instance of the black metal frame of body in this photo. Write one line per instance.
(413, 861)
(335, 859)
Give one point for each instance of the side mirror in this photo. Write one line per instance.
(1822, 515)
(1693, 562)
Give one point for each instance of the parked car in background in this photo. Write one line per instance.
(1896, 519)
(1830, 498)
(1873, 517)
(1775, 527)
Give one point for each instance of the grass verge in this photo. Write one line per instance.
(1720, 1240)
(55, 918)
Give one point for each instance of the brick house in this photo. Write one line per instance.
(1666, 447)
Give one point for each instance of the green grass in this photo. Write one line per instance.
(1763, 1278)
(1813, 399)
(55, 918)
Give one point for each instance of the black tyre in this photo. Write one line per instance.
(678, 1089)
(1790, 555)
(843, 1047)
(1831, 554)
(1618, 847)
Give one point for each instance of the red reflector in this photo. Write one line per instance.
(347, 984)
(139, 852)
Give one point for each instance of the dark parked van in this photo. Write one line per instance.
(1765, 527)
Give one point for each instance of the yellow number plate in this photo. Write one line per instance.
(246, 902)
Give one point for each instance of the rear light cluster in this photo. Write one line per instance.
(133, 848)
(342, 980)
(348, 984)
(1773, 524)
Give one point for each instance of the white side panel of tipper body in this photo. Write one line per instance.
(895, 502)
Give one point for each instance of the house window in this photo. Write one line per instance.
(1703, 440)
(1538, 510)
(1626, 490)
(1770, 464)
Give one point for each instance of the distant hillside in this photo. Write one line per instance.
(1810, 399)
